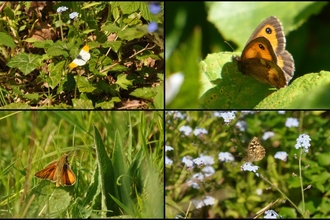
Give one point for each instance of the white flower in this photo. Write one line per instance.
(185, 129)
(208, 170)
(209, 200)
(61, 9)
(168, 148)
(303, 141)
(168, 161)
(291, 122)
(226, 157)
(267, 135)
(270, 214)
(73, 15)
(282, 155)
(198, 131)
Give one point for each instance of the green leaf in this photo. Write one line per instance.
(129, 7)
(114, 45)
(108, 104)
(133, 33)
(110, 28)
(52, 51)
(234, 24)
(84, 85)
(106, 174)
(55, 75)
(307, 91)
(223, 86)
(145, 93)
(34, 97)
(7, 40)
(43, 44)
(82, 104)
(48, 201)
(90, 5)
(159, 98)
(25, 62)
(145, 12)
(123, 82)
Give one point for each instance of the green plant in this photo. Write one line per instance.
(208, 33)
(126, 46)
(206, 177)
(117, 158)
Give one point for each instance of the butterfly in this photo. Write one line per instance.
(82, 58)
(58, 171)
(255, 151)
(264, 56)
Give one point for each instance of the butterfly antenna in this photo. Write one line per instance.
(229, 45)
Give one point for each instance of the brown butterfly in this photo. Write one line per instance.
(255, 151)
(58, 171)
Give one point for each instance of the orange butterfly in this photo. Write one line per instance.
(264, 56)
(58, 171)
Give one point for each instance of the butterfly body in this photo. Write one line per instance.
(264, 56)
(255, 151)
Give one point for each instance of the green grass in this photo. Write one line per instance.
(117, 158)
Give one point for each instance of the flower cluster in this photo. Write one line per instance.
(227, 116)
(61, 9)
(209, 200)
(303, 142)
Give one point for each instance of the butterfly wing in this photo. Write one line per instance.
(255, 151)
(48, 172)
(68, 177)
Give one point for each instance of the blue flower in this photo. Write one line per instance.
(209, 200)
(154, 8)
(186, 129)
(228, 116)
(242, 125)
(303, 142)
(270, 214)
(291, 122)
(199, 131)
(73, 15)
(282, 155)
(208, 171)
(168, 148)
(268, 134)
(250, 167)
(61, 9)
(168, 161)
(225, 157)
(188, 162)
(152, 27)
(198, 203)
(208, 160)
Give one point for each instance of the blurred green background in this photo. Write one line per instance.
(196, 29)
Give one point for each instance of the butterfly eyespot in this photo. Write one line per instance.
(261, 47)
(268, 30)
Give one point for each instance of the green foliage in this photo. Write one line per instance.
(39, 44)
(242, 194)
(225, 87)
(117, 158)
